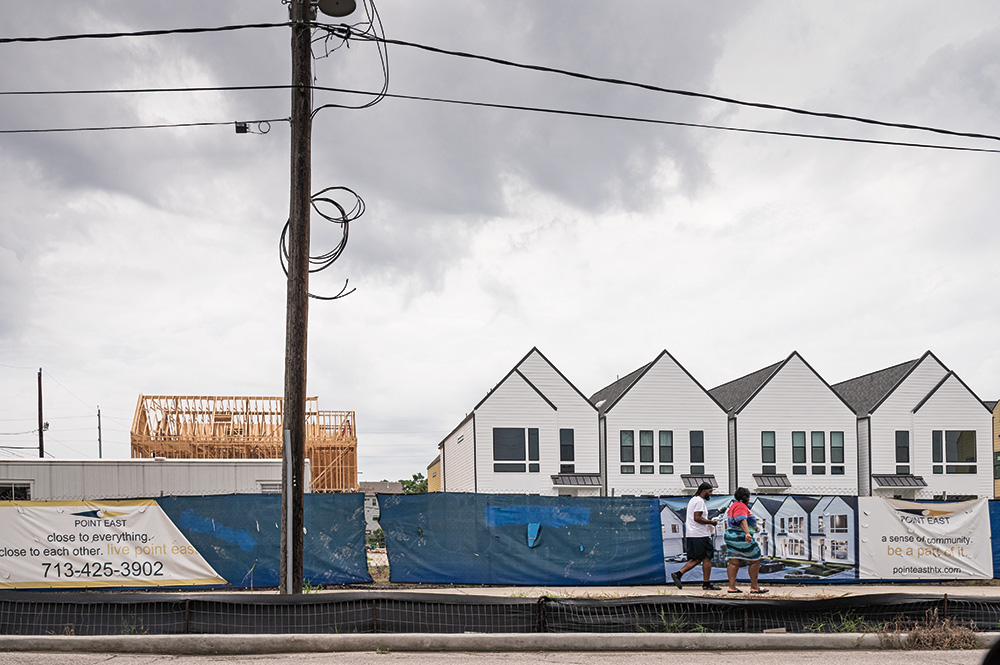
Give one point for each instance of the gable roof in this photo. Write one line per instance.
(609, 394)
(738, 392)
(534, 350)
(606, 398)
(865, 392)
(940, 383)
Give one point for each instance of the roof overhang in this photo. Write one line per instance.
(898, 480)
(577, 479)
(693, 480)
(772, 480)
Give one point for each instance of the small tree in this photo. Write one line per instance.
(416, 486)
(375, 539)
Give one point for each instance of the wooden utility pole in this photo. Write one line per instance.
(41, 428)
(100, 452)
(297, 309)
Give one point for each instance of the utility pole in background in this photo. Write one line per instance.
(297, 308)
(41, 428)
(100, 453)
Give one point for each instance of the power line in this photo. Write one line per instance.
(49, 130)
(140, 33)
(607, 116)
(345, 33)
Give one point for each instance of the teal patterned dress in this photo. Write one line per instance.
(736, 541)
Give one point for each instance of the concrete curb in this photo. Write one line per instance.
(472, 642)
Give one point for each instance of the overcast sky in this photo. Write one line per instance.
(145, 261)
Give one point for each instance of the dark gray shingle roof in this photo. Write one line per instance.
(733, 394)
(864, 392)
(612, 392)
(990, 404)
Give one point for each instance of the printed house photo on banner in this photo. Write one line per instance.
(801, 538)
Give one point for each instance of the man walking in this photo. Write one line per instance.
(698, 539)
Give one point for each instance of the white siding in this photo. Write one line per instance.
(514, 403)
(796, 399)
(457, 459)
(953, 407)
(142, 478)
(666, 398)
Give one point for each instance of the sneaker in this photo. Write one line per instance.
(676, 577)
(708, 586)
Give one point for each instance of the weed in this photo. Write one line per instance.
(932, 632)
(133, 627)
(672, 623)
(381, 650)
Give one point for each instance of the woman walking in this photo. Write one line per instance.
(741, 526)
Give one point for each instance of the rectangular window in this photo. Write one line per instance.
(534, 468)
(902, 469)
(902, 447)
(996, 466)
(645, 468)
(838, 549)
(798, 448)
(838, 523)
(959, 451)
(567, 468)
(508, 468)
(767, 448)
(646, 445)
(697, 447)
(627, 469)
(627, 453)
(666, 447)
(22, 491)
(937, 446)
(508, 444)
(697, 468)
(836, 447)
(566, 452)
(533, 444)
(818, 447)
(819, 470)
(769, 468)
(799, 470)
(666, 468)
(836, 470)
(939, 468)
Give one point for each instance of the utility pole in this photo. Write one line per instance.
(99, 451)
(297, 308)
(41, 429)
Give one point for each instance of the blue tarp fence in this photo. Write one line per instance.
(454, 538)
(240, 536)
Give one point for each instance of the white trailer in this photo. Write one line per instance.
(49, 480)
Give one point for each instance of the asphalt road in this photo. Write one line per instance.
(526, 658)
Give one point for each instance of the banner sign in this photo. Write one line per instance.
(904, 540)
(95, 544)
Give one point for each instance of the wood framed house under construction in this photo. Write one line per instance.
(246, 428)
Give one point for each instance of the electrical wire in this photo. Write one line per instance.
(656, 88)
(371, 29)
(674, 123)
(50, 130)
(141, 33)
(345, 214)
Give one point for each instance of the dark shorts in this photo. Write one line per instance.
(700, 548)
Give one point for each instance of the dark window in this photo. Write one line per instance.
(799, 470)
(697, 447)
(666, 468)
(533, 444)
(646, 468)
(996, 465)
(566, 452)
(937, 446)
(938, 468)
(818, 447)
(508, 443)
(697, 468)
(627, 446)
(508, 468)
(646, 446)
(769, 468)
(767, 448)
(836, 470)
(666, 447)
(627, 469)
(567, 468)
(903, 469)
(799, 448)
(819, 470)
(534, 468)
(960, 448)
(836, 447)
(15, 492)
(902, 447)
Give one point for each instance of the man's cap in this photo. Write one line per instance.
(705, 486)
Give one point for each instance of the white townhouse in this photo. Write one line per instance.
(923, 433)
(534, 433)
(832, 530)
(790, 432)
(661, 433)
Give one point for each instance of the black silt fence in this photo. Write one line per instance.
(58, 613)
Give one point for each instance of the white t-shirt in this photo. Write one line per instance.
(696, 529)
